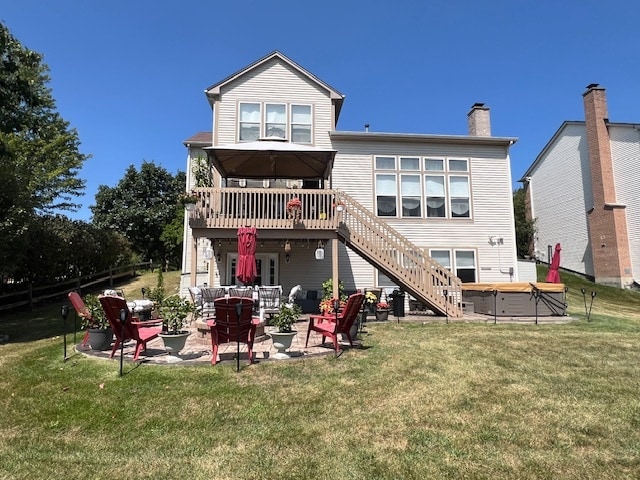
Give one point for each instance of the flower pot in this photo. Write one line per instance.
(340, 208)
(100, 338)
(174, 342)
(281, 342)
(382, 315)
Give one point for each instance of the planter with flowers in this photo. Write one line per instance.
(283, 334)
(188, 200)
(327, 305)
(370, 299)
(382, 311)
(339, 205)
(294, 208)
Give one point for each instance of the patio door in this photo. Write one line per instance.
(266, 266)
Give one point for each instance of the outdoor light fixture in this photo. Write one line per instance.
(64, 312)
(218, 257)
(287, 246)
(123, 321)
(287, 258)
(320, 251)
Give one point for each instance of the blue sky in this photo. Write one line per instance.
(129, 75)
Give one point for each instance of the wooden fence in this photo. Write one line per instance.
(30, 295)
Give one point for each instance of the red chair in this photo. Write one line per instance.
(227, 327)
(82, 311)
(141, 332)
(331, 325)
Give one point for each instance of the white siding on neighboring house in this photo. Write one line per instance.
(273, 82)
(625, 150)
(561, 187)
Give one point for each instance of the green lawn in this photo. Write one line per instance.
(463, 400)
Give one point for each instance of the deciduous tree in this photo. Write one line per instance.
(39, 152)
(140, 207)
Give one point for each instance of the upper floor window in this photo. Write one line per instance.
(422, 187)
(275, 120)
(249, 119)
(386, 195)
(289, 121)
(301, 124)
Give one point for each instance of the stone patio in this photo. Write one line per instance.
(198, 348)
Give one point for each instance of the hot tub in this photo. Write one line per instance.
(519, 299)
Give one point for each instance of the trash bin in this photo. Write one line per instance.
(397, 299)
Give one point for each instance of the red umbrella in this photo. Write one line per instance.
(246, 270)
(553, 276)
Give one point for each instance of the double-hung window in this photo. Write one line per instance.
(275, 122)
(462, 262)
(386, 187)
(301, 124)
(249, 122)
(459, 188)
(289, 121)
(410, 190)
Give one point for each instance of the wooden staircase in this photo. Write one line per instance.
(402, 261)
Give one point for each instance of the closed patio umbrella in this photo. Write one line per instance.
(553, 275)
(246, 270)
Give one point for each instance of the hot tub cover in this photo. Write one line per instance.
(513, 287)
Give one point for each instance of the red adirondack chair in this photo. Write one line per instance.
(141, 332)
(81, 310)
(227, 327)
(331, 325)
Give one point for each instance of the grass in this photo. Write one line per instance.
(464, 400)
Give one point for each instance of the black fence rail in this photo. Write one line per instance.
(29, 295)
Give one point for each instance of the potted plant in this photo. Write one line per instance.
(339, 205)
(96, 323)
(370, 300)
(294, 207)
(283, 334)
(174, 311)
(382, 311)
(327, 305)
(188, 200)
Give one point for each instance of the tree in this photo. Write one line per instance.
(140, 207)
(525, 227)
(39, 152)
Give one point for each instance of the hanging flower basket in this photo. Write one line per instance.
(339, 205)
(294, 208)
(188, 200)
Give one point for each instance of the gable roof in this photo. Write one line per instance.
(214, 90)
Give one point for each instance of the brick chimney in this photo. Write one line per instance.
(479, 121)
(607, 218)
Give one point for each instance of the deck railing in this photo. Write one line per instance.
(370, 236)
(263, 208)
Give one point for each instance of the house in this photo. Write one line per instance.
(582, 192)
(420, 212)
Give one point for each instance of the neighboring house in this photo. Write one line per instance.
(422, 212)
(582, 190)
